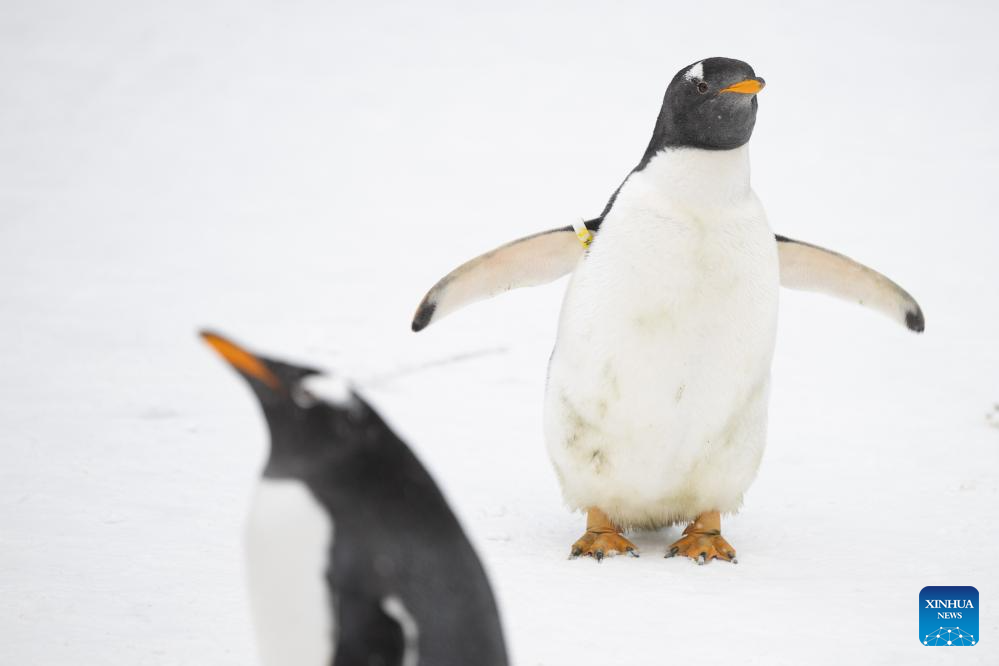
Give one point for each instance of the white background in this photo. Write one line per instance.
(298, 174)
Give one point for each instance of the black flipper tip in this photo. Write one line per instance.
(915, 321)
(423, 316)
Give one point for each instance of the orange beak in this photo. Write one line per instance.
(241, 359)
(747, 87)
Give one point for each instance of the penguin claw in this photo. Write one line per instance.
(702, 547)
(601, 545)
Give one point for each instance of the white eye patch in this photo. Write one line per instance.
(332, 389)
(696, 72)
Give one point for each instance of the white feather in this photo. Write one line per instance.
(333, 389)
(396, 609)
(656, 403)
(287, 545)
(695, 72)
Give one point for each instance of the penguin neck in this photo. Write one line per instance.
(699, 175)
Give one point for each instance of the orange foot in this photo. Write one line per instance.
(702, 541)
(602, 538)
(599, 544)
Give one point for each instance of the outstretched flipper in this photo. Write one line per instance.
(807, 267)
(547, 256)
(525, 262)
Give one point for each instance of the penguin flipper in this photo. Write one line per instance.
(807, 267)
(526, 262)
(368, 633)
(544, 257)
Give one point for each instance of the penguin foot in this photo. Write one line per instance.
(702, 541)
(602, 538)
(603, 544)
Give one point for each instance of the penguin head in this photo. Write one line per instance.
(273, 382)
(313, 418)
(710, 104)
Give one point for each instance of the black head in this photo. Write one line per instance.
(710, 104)
(308, 431)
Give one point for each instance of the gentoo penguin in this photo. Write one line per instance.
(399, 584)
(657, 392)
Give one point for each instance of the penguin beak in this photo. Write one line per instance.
(747, 87)
(241, 359)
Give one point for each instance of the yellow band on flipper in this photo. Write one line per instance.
(582, 233)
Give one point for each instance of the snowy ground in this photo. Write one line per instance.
(297, 175)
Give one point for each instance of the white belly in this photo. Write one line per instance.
(287, 545)
(657, 393)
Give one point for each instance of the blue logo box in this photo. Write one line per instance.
(948, 616)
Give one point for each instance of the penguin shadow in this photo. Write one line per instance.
(353, 554)
(992, 417)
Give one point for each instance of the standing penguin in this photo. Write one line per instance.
(399, 584)
(657, 393)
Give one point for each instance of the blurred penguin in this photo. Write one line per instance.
(400, 583)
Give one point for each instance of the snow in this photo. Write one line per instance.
(297, 175)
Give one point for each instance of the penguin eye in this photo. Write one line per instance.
(702, 87)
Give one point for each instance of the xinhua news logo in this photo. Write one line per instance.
(948, 616)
